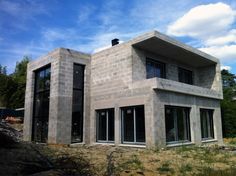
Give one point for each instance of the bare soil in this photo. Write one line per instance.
(21, 158)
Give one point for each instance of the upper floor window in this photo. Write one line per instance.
(185, 76)
(155, 69)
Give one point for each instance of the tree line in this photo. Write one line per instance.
(12, 86)
(12, 93)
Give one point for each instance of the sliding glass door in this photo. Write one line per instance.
(105, 125)
(177, 124)
(133, 124)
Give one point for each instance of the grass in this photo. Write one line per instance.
(166, 168)
(184, 161)
(208, 171)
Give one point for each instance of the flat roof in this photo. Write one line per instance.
(161, 44)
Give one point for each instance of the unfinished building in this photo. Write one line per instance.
(149, 91)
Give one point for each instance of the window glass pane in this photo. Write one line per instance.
(207, 129)
(133, 124)
(140, 124)
(41, 105)
(185, 76)
(155, 69)
(177, 124)
(102, 125)
(128, 125)
(47, 78)
(170, 128)
(78, 81)
(77, 103)
(105, 125)
(111, 124)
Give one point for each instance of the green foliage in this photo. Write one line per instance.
(3, 70)
(12, 87)
(228, 106)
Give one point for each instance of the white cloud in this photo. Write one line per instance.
(226, 53)
(224, 67)
(212, 27)
(204, 20)
(230, 37)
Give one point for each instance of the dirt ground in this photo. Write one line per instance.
(20, 158)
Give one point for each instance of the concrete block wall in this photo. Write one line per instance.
(207, 77)
(60, 106)
(111, 75)
(115, 78)
(163, 98)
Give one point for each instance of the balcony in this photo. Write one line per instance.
(178, 87)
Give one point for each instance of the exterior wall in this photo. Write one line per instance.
(207, 77)
(111, 76)
(163, 98)
(60, 107)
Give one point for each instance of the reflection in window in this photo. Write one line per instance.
(133, 124)
(177, 124)
(185, 76)
(41, 105)
(77, 103)
(155, 69)
(207, 129)
(105, 125)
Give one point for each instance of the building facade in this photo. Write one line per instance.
(149, 91)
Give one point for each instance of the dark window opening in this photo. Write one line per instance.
(41, 105)
(177, 124)
(185, 76)
(105, 125)
(77, 104)
(207, 127)
(133, 124)
(155, 69)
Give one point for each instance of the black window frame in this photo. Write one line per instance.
(110, 116)
(210, 124)
(134, 127)
(44, 92)
(175, 133)
(155, 65)
(185, 76)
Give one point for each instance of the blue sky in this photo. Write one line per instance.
(34, 27)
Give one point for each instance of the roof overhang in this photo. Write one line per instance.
(163, 45)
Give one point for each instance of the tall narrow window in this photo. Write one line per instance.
(155, 69)
(41, 105)
(105, 125)
(77, 103)
(185, 76)
(177, 124)
(207, 129)
(133, 124)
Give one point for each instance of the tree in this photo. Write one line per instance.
(228, 105)
(12, 87)
(3, 70)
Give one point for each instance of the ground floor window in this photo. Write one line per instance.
(41, 104)
(133, 124)
(207, 129)
(105, 125)
(177, 124)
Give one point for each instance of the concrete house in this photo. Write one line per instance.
(149, 91)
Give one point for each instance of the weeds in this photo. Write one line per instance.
(165, 168)
(185, 168)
